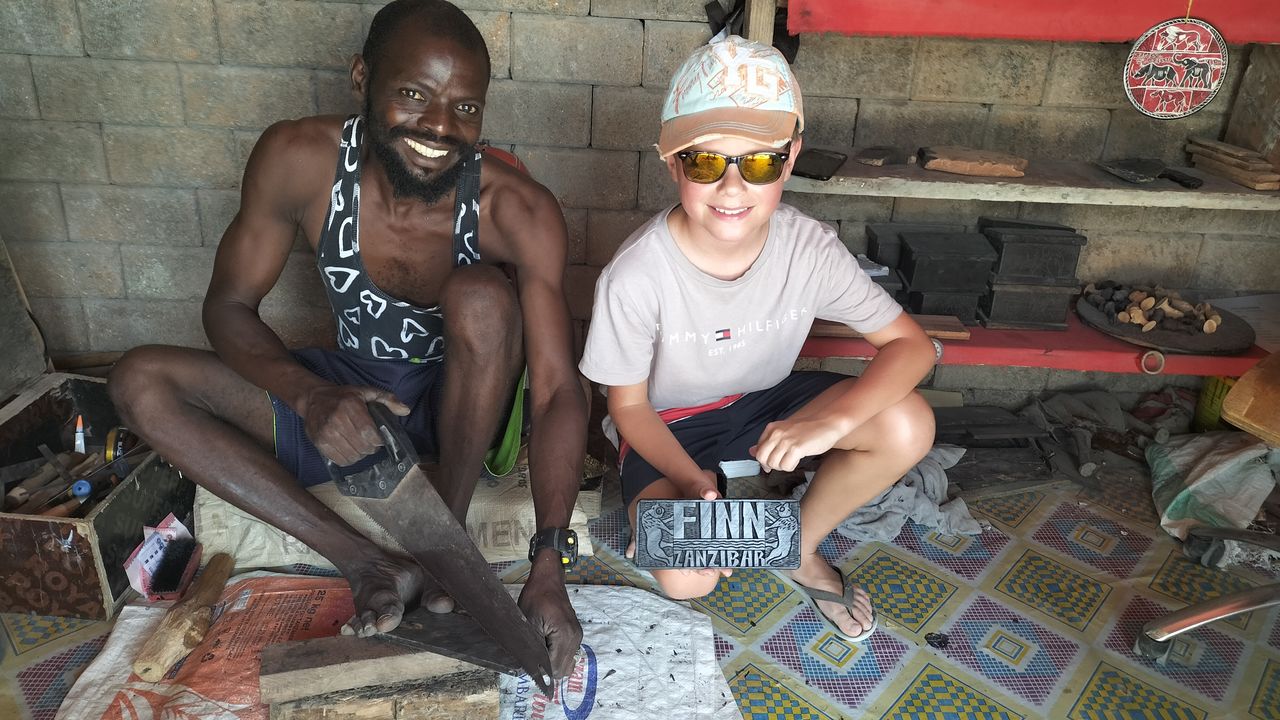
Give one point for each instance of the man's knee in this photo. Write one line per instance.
(481, 310)
(679, 585)
(138, 381)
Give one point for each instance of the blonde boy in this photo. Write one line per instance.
(701, 314)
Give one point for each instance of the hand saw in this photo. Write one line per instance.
(397, 495)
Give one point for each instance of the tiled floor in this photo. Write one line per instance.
(1039, 614)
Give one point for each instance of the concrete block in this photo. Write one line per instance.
(242, 143)
(241, 97)
(1239, 262)
(299, 326)
(217, 209)
(1133, 134)
(657, 190)
(300, 283)
(295, 34)
(333, 93)
(995, 377)
(1011, 400)
(47, 27)
(538, 113)
(1056, 133)
(840, 207)
(981, 71)
(553, 7)
(690, 10)
(17, 91)
(1230, 222)
(853, 233)
(150, 29)
(806, 364)
(829, 122)
(1076, 381)
(496, 29)
(1090, 218)
(115, 91)
(32, 212)
(579, 289)
(1165, 258)
(855, 67)
(175, 157)
(63, 324)
(666, 45)
(585, 178)
(606, 231)
(574, 49)
(916, 124)
(963, 212)
(845, 366)
(63, 269)
(626, 118)
(116, 325)
(1275, 224)
(52, 151)
(1087, 75)
(575, 220)
(143, 216)
(166, 273)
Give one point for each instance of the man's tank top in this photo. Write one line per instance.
(371, 323)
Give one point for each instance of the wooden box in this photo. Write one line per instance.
(75, 566)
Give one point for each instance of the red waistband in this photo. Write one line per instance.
(671, 415)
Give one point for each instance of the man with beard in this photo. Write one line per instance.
(409, 233)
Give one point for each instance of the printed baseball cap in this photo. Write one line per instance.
(734, 88)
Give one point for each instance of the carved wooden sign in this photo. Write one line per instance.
(718, 534)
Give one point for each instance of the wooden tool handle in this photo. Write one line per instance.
(184, 626)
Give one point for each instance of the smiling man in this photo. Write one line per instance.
(413, 227)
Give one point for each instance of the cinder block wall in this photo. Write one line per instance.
(128, 122)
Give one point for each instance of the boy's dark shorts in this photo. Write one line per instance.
(418, 385)
(729, 432)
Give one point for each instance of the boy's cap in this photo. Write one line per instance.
(734, 88)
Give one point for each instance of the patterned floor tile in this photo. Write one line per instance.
(937, 695)
(1274, 640)
(1011, 509)
(28, 632)
(1021, 656)
(965, 555)
(725, 647)
(762, 697)
(847, 672)
(45, 684)
(1093, 539)
(1054, 589)
(1112, 694)
(1266, 701)
(610, 530)
(907, 593)
(1190, 582)
(744, 599)
(1130, 499)
(836, 548)
(596, 570)
(1202, 660)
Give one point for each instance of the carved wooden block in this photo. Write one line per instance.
(718, 534)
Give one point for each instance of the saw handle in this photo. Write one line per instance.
(378, 475)
(1187, 181)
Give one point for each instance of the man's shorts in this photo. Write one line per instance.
(727, 433)
(418, 385)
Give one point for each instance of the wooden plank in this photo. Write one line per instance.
(296, 670)
(1247, 164)
(1225, 148)
(1046, 181)
(1255, 181)
(758, 20)
(943, 327)
(464, 696)
(1253, 403)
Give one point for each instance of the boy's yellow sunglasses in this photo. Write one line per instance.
(759, 168)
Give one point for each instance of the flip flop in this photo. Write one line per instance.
(814, 595)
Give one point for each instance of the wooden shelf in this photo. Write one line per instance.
(1079, 347)
(1046, 181)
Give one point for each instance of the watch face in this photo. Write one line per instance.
(562, 540)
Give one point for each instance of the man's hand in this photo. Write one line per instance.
(785, 443)
(545, 603)
(338, 421)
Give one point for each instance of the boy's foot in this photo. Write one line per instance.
(847, 608)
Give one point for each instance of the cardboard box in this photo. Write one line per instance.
(75, 566)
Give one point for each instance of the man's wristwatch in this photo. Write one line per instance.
(562, 540)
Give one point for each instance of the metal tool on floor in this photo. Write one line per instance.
(397, 495)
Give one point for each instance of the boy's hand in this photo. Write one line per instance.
(785, 443)
(701, 487)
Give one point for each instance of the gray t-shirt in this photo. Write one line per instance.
(697, 338)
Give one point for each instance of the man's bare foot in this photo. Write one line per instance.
(853, 619)
(435, 599)
(382, 589)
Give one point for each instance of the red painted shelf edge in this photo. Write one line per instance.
(1077, 348)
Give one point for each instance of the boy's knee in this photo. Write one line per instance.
(909, 426)
(679, 585)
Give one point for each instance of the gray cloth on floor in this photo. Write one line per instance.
(920, 496)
